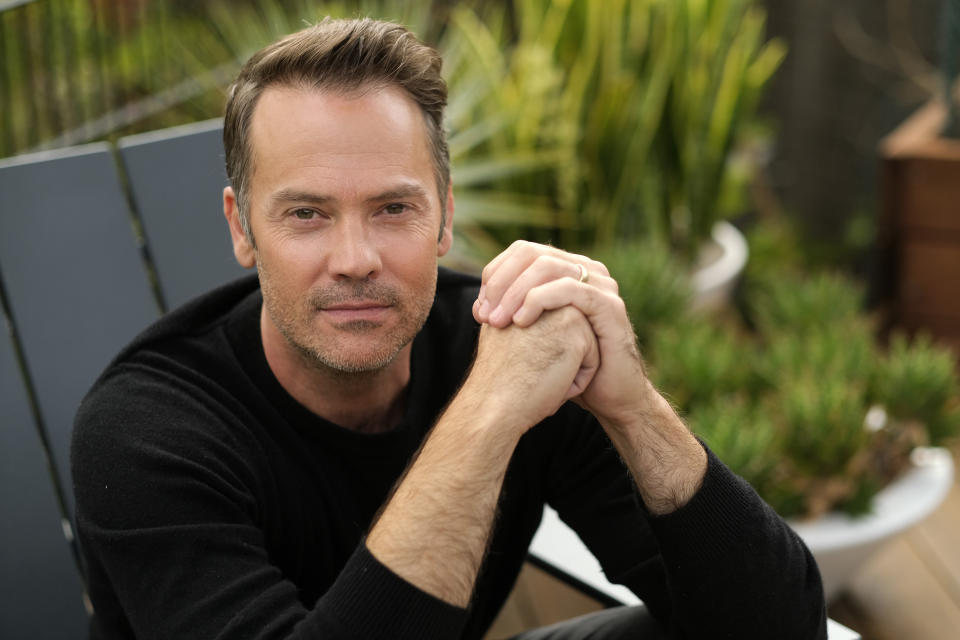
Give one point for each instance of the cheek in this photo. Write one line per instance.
(413, 258)
(292, 264)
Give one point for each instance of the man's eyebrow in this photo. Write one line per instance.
(295, 195)
(399, 193)
(396, 193)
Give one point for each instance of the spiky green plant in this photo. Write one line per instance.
(742, 436)
(696, 362)
(822, 422)
(803, 302)
(918, 381)
(784, 399)
(844, 352)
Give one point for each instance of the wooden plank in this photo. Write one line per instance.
(538, 599)
(930, 272)
(930, 193)
(900, 598)
(935, 542)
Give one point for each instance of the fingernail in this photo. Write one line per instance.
(484, 309)
(497, 314)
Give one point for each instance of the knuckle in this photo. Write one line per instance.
(522, 248)
(619, 305)
(615, 286)
(486, 272)
(599, 267)
(568, 313)
(543, 260)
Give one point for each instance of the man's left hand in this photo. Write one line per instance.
(666, 461)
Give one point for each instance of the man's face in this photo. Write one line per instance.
(345, 216)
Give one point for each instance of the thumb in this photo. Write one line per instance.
(586, 372)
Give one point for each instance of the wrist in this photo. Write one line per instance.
(492, 410)
(666, 461)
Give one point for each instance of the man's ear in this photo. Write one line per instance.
(446, 234)
(242, 249)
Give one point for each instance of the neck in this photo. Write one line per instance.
(368, 401)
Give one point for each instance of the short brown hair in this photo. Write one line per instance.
(344, 55)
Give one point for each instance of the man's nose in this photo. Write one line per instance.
(354, 253)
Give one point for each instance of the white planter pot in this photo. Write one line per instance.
(841, 544)
(721, 264)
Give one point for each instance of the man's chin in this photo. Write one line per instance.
(358, 326)
(358, 365)
(347, 358)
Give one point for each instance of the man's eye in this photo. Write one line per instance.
(304, 214)
(395, 208)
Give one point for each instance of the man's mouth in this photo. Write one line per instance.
(361, 310)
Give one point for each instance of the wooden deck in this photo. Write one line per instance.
(910, 589)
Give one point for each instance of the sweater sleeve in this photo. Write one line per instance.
(168, 525)
(724, 565)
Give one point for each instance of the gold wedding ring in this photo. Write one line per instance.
(584, 274)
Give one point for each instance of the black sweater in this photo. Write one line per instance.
(210, 504)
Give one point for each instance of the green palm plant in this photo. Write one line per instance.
(723, 65)
(639, 102)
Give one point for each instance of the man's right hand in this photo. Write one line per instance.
(531, 371)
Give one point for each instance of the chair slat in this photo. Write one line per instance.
(40, 590)
(73, 274)
(177, 178)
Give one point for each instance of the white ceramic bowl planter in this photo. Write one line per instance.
(841, 544)
(713, 281)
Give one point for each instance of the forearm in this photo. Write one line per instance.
(735, 568)
(666, 461)
(434, 530)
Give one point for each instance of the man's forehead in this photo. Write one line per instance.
(315, 133)
(299, 111)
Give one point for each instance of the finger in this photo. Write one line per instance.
(588, 369)
(476, 310)
(505, 268)
(507, 281)
(543, 269)
(588, 298)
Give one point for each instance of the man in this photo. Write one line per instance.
(334, 451)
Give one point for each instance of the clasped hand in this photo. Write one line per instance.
(555, 328)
